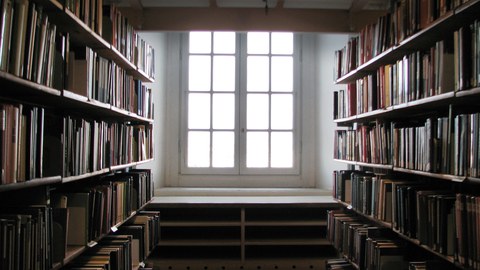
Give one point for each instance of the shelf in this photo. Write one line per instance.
(371, 165)
(453, 178)
(409, 108)
(389, 226)
(73, 252)
(76, 102)
(286, 223)
(200, 224)
(288, 242)
(423, 39)
(417, 243)
(200, 243)
(122, 166)
(143, 161)
(19, 89)
(380, 222)
(82, 34)
(260, 228)
(83, 176)
(31, 183)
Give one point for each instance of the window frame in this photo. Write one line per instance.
(240, 167)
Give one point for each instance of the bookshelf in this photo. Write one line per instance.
(76, 120)
(408, 130)
(246, 231)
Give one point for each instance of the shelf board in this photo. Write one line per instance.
(31, 183)
(19, 89)
(372, 165)
(468, 93)
(200, 224)
(73, 252)
(143, 161)
(351, 162)
(122, 166)
(449, 177)
(377, 166)
(375, 220)
(73, 101)
(345, 120)
(404, 108)
(473, 179)
(200, 242)
(286, 223)
(417, 242)
(83, 176)
(287, 242)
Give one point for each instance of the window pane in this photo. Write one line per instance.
(257, 111)
(223, 149)
(258, 43)
(282, 74)
(199, 73)
(200, 42)
(282, 43)
(282, 150)
(223, 42)
(199, 111)
(224, 73)
(257, 149)
(282, 111)
(198, 149)
(223, 111)
(257, 74)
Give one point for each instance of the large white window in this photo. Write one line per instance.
(240, 108)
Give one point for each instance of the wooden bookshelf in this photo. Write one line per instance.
(249, 228)
(418, 123)
(35, 111)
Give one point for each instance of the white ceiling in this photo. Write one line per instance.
(308, 4)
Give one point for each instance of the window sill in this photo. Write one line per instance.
(242, 192)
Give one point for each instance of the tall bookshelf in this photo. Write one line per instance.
(408, 129)
(76, 119)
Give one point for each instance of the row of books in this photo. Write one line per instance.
(34, 49)
(31, 46)
(363, 243)
(417, 75)
(126, 248)
(97, 78)
(30, 134)
(368, 144)
(345, 264)
(90, 12)
(446, 145)
(130, 143)
(108, 22)
(26, 238)
(85, 214)
(91, 145)
(405, 19)
(435, 215)
(120, 33)
(27, 137)
(467, 56)
(35, 234)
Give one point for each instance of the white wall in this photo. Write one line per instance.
(157, 40)
(326, 46)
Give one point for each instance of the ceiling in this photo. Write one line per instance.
(242, 15)
(308, 4)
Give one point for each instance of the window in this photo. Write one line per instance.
(240, 106)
